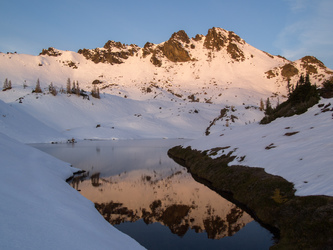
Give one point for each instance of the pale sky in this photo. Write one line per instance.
(291, 28)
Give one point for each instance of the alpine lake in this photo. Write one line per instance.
(142, 192)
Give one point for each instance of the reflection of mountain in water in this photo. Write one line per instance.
(170, 197)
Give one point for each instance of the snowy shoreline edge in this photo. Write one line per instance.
(298, 222)
(39, 210)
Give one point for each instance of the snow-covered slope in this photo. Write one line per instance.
(298, 148)
(39, 210)
(160, 90)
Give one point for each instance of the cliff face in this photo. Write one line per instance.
(175, 49)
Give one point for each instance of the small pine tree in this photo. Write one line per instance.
(289, 87)
(95, 92)
(262, 106)
(52, 89)
(77, 90)
(5, 84)
(268, 109)
(38, 88)
(68, 86)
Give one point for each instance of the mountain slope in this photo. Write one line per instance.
(298, 148)
(159, 90)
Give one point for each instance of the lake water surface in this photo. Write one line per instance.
(145, 194)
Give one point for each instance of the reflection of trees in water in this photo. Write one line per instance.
(95, 179)
(176, 217)
(232, 219)
(215, 225)
(115, 213)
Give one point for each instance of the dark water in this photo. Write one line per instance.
(145, 194)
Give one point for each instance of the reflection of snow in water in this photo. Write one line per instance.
(135, 180)
(168, 196)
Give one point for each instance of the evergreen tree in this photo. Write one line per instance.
(52, 89)
(38, 88)
(68, 86)
(289, 87)
(301, 80)
(5, 85)
(95, 92)
(268, 109)
(77, 90)
(262, 106)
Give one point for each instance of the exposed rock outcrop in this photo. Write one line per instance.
(112, 52)
(50, 52)
(218, 39)
(174, 50)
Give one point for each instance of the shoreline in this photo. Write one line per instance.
(297, 222)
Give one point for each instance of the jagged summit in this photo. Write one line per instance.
(176, 49)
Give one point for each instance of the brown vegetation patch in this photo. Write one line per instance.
(288, 70)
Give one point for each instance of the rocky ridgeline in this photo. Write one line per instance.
(306, 65)
(218, 43)
(112, 52)
(176, 49)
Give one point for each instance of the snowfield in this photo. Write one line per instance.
(39, 210)
(298, 148)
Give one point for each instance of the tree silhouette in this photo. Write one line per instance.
(38, 88)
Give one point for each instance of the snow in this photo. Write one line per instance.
(299, 148)
(39, 210)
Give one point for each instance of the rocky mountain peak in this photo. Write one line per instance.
(215, 39)
(219, 39)
(174, 50)
(112, 44)
(181, 36)
(311, 64)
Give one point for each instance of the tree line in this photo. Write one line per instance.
(301, 97)
(71, 88)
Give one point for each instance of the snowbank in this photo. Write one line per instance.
(39, 210)
(298, 148)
